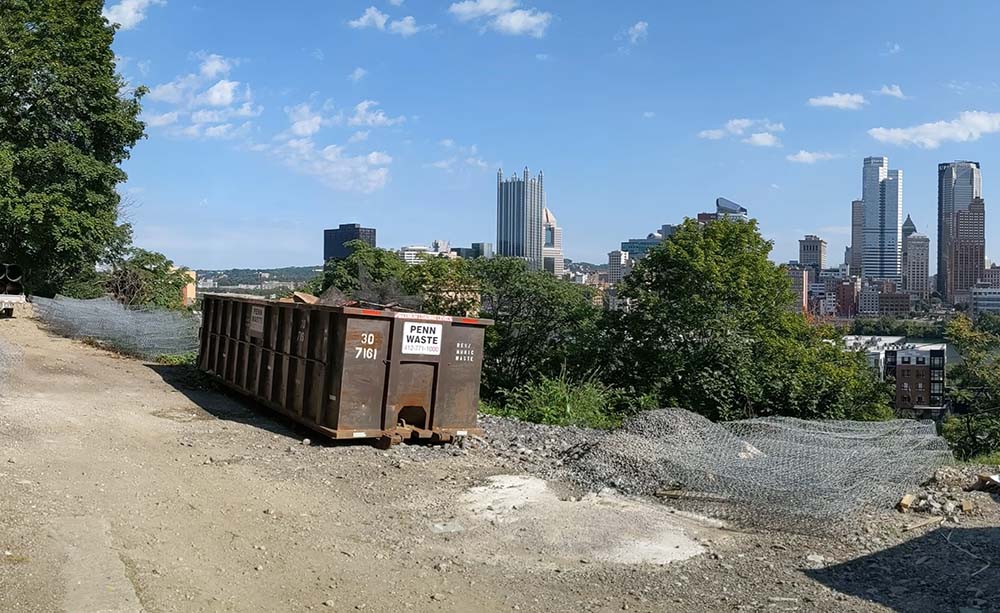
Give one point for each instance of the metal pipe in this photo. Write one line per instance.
(14, 272)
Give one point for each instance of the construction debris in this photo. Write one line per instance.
(775, 473)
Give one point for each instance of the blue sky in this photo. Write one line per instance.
(269, 122)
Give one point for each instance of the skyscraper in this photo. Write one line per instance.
(882, 195)
(552, 250)
(812, 251)
(857, 237)
(520, 202)
(916, 274)
(335, 239)
(959, 183)
(619, 265)
(968, 251)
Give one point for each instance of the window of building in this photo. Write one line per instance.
(920, 399)
(906, 372)
(921, 360)
(937, 375)
(906, 386)
(937, 361)
(936, 388)
(920, 386)
(906, 360)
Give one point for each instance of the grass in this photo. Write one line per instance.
(180, 359)
(561, 402)
(989, 459)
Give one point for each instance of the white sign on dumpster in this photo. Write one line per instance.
(421, 338)
(256, 320)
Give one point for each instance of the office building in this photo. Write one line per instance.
(724, 209)
(415, 254)
(334, 240)
(552, 246)
(857, 236)
(812, 251)
(984, 299)
(847, 297)
(619, 265)
(882, 198)
(968, 251)
(917, 251)
(919, 371)
(800, 288)
(959, 183)
(520, 207)
(637, 248)
(477, 250)
(991, 276)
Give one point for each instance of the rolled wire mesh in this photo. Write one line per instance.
(775, 472)
(143, 332)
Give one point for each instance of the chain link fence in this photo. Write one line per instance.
(145, 333)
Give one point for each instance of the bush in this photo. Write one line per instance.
(972, 436)
(562, 402)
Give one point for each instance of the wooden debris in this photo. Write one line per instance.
(968, 506)
(921, 524)
(905, 503)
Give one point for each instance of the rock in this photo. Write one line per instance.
(437, 597)
(905, 503)
(329, 603)
(815, 558)
(306, 441)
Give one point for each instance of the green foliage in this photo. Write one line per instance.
(65, 128)
(146, 278)
(377, 265)
(710, 329)
(250, 276)
(543, 325)
(975, 383)
(181, 359)
(448, 286)
(559, 401)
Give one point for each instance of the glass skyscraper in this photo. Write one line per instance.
(520, 206)
(882, 197)
(959, 184)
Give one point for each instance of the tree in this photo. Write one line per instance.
(543, 325)
(710, 328)
(975, 385)
(65, 128)
(365, 265)
(448, 286)
(147, 278)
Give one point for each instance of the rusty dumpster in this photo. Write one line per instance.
(349, 372)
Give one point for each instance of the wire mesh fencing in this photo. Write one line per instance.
(774, 473)
(145, 333)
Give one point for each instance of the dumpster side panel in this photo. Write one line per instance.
(366, 341)
(462, 362)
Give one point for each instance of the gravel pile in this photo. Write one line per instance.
(536, 448)
(949, 494)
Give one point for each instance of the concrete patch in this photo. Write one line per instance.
(95, 578)
(606, 527)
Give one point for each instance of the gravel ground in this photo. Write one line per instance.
(135, 489)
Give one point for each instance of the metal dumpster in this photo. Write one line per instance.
(349, 372)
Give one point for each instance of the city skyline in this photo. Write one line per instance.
(335, 119)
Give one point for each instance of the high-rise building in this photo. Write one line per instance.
(857, 237)
(968, 251)
(619, 265)
(959, 183)
(520, 206)
(334, 240)
(812, 251)
(478, 250)
(552, 246)
(917, 255)
(882, 195)
(724, 209)
(800, 288)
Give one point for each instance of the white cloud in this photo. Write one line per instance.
(542, 57)
(247, 109)
(175, 91)
(220, 131)
(503, 16)
(357, 74)
(222, 93)
(530, 22)
(144, 66)
(811, 157)
(359, 137)
(740, 126)
(129, 13)
(649, 114)
(475, 9)
(476, 162)
(371, 18)
(447, 143)
(892, 49)
(304, 120)
(362, 173)
(163, 119)
(850, 102)
(214, 65)
(714, 134)
(445, 164)
(762, 139)
(407, 26)
(396, 2)
(365, 114)
(318, 54)
(892, 90)
(968, 126)
(638, 32)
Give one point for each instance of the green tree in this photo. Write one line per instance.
(65, 128)
(448, 286)
(710, 328)
(365, 265)
(975, 386)
(146, 278)
(543, 326)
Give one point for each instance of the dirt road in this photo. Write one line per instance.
(127, 488)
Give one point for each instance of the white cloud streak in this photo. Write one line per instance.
(503, 16)
(366, 114)
(837, 100)
(811, 157)
(892, 90)
(357, 74)
(968, 126)
(762, 139)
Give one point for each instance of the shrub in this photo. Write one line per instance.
(562, 402)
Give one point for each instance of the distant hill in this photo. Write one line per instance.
(250, 276)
